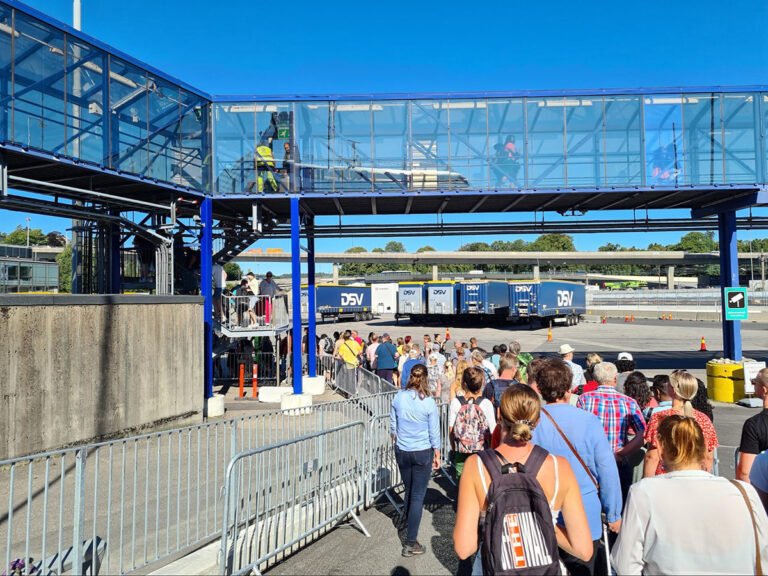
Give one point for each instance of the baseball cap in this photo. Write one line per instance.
(624, 356)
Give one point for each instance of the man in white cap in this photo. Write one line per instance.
(577, 372)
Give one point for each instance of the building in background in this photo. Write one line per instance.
(23, 269)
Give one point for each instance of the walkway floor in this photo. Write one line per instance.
(347, 551)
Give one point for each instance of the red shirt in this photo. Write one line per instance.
(710, 436)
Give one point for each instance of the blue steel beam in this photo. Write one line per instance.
(296, 371)
(749, 198)
(311, 316)
(206, 288)
(729, 277)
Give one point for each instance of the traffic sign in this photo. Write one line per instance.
(736, 305)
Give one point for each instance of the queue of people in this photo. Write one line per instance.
(552, 482)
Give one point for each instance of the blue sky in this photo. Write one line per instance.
(247, 47)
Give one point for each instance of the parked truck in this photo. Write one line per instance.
(352, 302)
(547, 300)
(443, 298)
(411, 300)
(488, 298)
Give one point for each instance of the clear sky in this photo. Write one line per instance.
(247, 47)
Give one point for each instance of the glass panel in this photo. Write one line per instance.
(584, 132)
(352, 146)
(314, 143)
(38, 85)
(128, 113)
(6, 31)
(506, 128)
(664, 140)
(740, 137)
(164, 108)
(546, 160)
(273, 127)
(85, 102)
(469, 144)
(390, 143)
(429, 155)
(192, 166)
(703, 139)
(623, 141)
(235, 128)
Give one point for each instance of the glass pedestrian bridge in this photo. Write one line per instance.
(69, 98)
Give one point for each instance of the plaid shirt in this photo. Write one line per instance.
(617, 412)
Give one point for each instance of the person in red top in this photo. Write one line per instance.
(682, 388)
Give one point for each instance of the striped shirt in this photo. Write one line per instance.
(618, 414)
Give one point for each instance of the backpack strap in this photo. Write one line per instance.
(462, 400)
(492, 464)
(758, 563)
(535, 460)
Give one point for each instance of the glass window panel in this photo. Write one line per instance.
(234, 126)
(85, 102)
(584, 133)
(352, 146)
(546, 138)
(314, 143)
(128, 96)
(703, 139)
(506, 135)
(164, 115)
(664, 152)
(740, 137)
(273, 130)
(39, 84)
(623, 153)
(6, 32)
(469, 144)
(429, 155)
(191, 168)
(390, 142)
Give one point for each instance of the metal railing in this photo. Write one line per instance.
(693, 298)
(135, 502)
(249, 313)
(259, 365)
(280, 496)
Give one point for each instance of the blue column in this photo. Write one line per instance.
(206, 289)
(311, 329)
(729, 276)
(296, 293)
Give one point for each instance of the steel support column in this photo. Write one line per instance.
(206, 289)
(296, 371)
(311, 316)
(729, 276)
(114, 257)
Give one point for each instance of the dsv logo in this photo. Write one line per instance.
(473, 288)
(351, 299)
(523, 288)
(408, 292)
(440, 292)
(564, 298)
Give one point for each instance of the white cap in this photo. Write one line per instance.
(624, 356)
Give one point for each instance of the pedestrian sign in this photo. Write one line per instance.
(736, 306)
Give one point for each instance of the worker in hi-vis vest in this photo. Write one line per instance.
(265, 168)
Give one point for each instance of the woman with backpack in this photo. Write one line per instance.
(517, 491)
(471, 419)
(415, 428)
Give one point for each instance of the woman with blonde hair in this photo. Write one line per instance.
(520, 409)
(415, 428)
(682, 388)
(689, 521)
(456, 386)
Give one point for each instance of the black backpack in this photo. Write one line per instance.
(518, 531)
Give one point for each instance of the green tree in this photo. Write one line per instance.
(64, 260)
(55, 239)
(475, 247)
(394, 246)
(697, 242)
(355, 268)
(19, 237)
(233, 270)
(553, 243)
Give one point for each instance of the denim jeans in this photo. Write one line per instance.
(415, 470)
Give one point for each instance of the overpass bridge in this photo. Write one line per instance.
(135, 155)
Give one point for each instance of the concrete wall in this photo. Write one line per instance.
(77, 368)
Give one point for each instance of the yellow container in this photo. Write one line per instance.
(725, 382)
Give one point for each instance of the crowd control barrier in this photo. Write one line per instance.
(279, 497)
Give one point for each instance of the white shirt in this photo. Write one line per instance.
(219, 277)
(577, 372)
(689, 522)
(485, 405)
(268, 288)
(488, 364)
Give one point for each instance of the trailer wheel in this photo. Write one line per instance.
(569, 321)
(357, 317)
(576, 319)
(369, 316)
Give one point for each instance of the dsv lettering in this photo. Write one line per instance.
(564, 298)
(351, 299)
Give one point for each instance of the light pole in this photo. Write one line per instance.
(27, 219)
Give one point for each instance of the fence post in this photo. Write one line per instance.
(78, 520)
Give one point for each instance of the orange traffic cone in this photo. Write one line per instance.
(605, 320)
(632, 318)
(549, 334)
(447, 334)
(626, 318)
(703, 347)
(669, 317)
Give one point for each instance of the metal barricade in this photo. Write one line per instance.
(383, 474)
(280, 496)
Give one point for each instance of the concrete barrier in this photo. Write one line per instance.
(84, 368)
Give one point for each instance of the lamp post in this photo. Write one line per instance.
(27, 219)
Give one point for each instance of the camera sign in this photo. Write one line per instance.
(736, 305)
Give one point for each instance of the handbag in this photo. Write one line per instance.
(758, 563)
